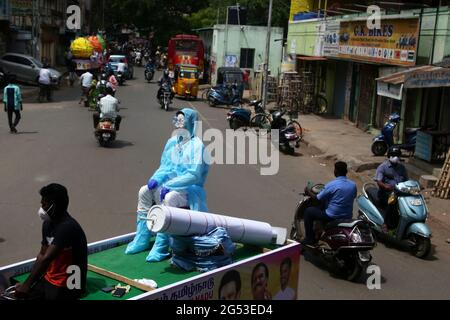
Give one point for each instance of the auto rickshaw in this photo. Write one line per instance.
(186, 81)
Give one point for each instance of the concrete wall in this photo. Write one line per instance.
(302, 36)
(229, 43)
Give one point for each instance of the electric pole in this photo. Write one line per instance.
(266, 62)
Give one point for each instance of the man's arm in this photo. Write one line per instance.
(43, 260)
(379, 177)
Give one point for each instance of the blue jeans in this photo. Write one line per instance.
(313, 214)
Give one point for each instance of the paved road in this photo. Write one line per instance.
(57, 145)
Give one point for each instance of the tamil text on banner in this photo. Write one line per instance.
(394, 43)
(272, 276)
(21, 7)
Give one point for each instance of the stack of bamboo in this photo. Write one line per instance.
(442, 188)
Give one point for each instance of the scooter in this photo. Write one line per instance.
(105, 131)
(224, 95)
(290, 133)
(344, 245)
(120, 78)
(149, 73)
(385, 140)
(166, 97)
(412, 209)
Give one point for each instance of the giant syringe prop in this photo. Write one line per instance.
(182, 222)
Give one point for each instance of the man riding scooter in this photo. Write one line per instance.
(164, 79)
(109, 108)
(388, 174)
(337, 196)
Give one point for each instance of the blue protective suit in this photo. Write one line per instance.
(182, 169)
(142, 238)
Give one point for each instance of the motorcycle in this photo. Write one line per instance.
(290, 133)
(120, 78)
(166, 97)
(385, 140)
(344, 245)
(149, 73)
(412, 215)
(106, 131)
(224, 95)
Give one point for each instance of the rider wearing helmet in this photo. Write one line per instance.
(388, 174)
(164, 79)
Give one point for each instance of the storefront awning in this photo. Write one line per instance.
(304, 58)
(419, 77)
(392, 85)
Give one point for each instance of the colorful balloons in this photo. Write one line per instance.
(81, 48)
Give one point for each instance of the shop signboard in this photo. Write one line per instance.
(428, 79)
(21, 7)
(394, 43)
(331, 39)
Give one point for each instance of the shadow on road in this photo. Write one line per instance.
(119, 144)
(27, 132)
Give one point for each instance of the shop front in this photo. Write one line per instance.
(424, 95)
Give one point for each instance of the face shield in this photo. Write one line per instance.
(178, 121)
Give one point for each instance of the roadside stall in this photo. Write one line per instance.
(108, 265)
(83, 53)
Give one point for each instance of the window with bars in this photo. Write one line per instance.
(247, 58)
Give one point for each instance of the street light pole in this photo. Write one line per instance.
(266, 62)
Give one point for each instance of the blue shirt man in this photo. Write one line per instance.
(339, 195)
(337, 198)
(12, 99)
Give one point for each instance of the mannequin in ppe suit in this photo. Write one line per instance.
(141, 241)
(180, 178)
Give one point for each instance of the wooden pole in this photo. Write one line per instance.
(119, 277)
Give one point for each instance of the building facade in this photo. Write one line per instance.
(241, 46)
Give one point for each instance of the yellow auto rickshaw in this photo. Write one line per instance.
(186, 81)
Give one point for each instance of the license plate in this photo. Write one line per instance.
(292, 144)
(228, 117)
(416, 202)
(106, 135)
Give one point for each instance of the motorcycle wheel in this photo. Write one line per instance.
(352, 269)
(234, 125)
(102, 142)
(166, 106)
(379, 148)
(298, 130)
(298, 227)
(211, 103)
(422, 246)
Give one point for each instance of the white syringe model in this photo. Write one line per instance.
(182, 222)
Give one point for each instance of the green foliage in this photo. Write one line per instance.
(169, 17)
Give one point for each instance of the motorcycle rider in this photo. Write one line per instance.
(388, 174)
(336, 201)
(85, 82)
(164, 79)
(180, 178)
(109, 108)
(121, 67)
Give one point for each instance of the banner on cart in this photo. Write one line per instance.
(270, 276)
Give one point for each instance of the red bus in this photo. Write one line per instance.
(186, 49)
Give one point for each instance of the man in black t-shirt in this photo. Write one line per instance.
(59, 272)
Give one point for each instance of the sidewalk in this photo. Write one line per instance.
(337, 139)
(340, 140)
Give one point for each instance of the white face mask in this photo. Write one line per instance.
(394, 160)
(44, 214)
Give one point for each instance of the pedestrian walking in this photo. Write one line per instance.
(12, 98)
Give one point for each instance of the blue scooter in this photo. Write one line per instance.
(412, 210)
(385, 140)
(224, 95)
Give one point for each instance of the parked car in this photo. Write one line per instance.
(114, 61)
(25, 68)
